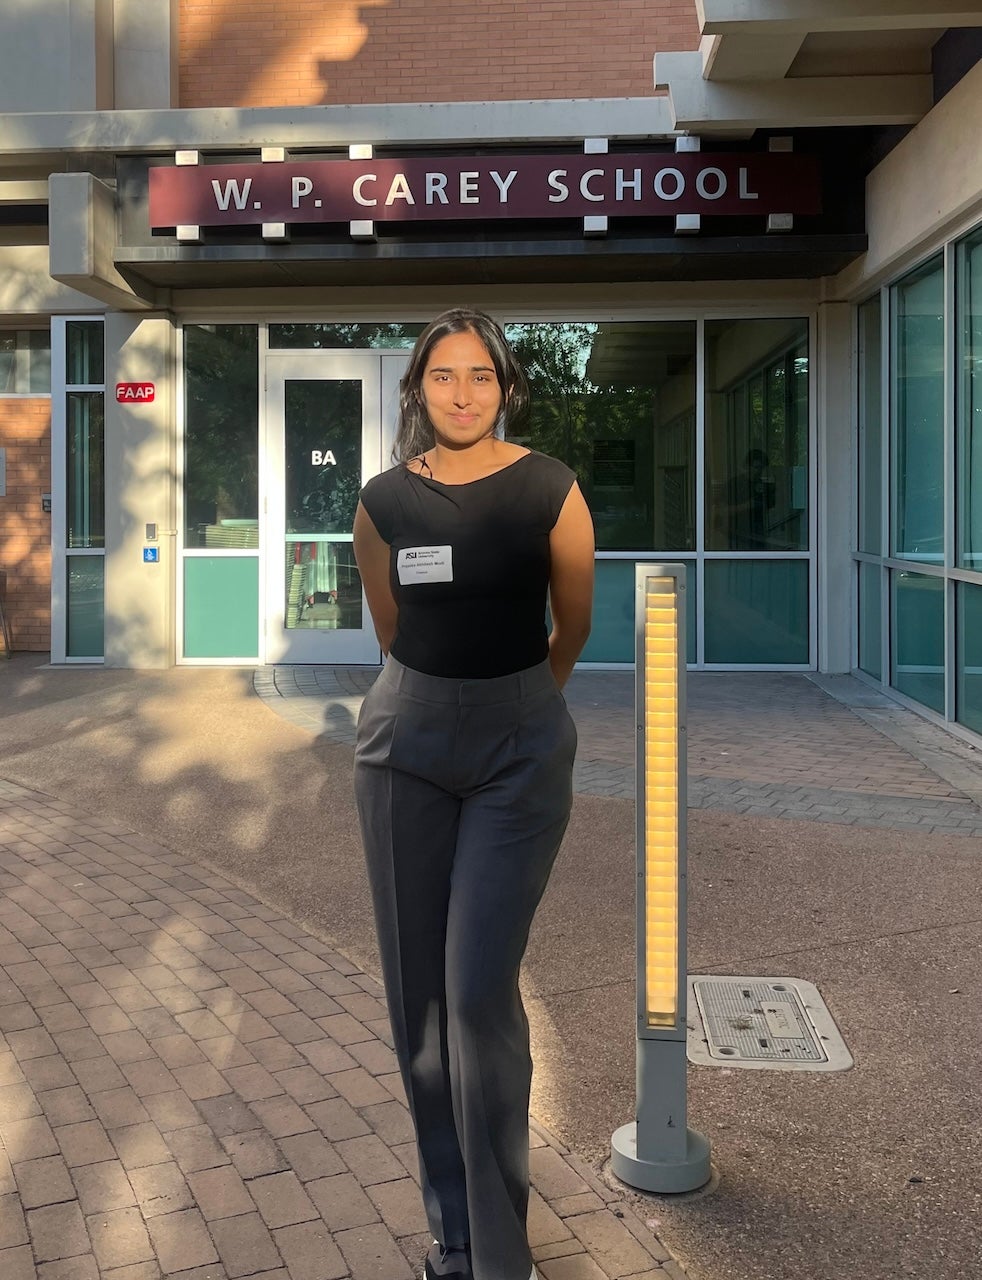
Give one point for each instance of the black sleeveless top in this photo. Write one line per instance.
(469, 564)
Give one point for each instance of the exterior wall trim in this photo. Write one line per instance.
(536, 120)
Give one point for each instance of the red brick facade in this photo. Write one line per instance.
(25, 531)
(244, 53)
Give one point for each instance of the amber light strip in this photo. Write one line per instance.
(661, 803)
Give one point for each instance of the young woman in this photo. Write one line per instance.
(463, 766)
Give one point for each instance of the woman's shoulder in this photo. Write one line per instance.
(385, 482)
(550, 469)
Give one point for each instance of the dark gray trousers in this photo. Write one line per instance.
(464, 790)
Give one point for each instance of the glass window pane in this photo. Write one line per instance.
(371, 336)
(918, 414)
(39, 373)
(86, 485)
(757, 611)
(85, 606)
(84, 358)
(757, 435)
(969, 400)
(870, 428)
(25, 362)
(870, 620)
(917, 637)
(221, 448)
(616, 402)
(8, 362)
(969, 686)
(322, 456)
(612, 630)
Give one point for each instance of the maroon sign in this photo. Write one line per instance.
(135, 392)
(470, 187)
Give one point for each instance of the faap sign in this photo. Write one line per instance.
(135, 392)
(478, 187)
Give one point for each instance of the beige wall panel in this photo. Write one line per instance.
(26, 288)
(140, 488)
(925, 189)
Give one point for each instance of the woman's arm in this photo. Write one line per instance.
(571, 546)
(372, 559)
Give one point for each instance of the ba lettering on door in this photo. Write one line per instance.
(322, 458)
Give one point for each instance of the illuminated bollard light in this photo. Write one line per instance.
(657, 1151)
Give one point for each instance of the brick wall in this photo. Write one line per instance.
(241, 53)
(25, 531)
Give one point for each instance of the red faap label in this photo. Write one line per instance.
(135, 392)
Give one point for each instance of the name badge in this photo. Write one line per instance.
(424, 564)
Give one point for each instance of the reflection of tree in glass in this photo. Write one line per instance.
(345, 337)
(570, 413)
(322, 416)
(221, 390)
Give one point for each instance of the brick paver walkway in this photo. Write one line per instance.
(764, 744)
(193, 1086)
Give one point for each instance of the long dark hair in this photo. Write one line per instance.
(415, 432)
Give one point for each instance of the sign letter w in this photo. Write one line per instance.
(232, 192)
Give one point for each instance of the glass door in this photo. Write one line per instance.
(329, 426)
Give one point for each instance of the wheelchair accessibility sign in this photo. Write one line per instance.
(151, 555)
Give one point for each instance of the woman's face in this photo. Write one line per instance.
(460, 391)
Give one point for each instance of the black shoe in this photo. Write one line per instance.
(453, 1263)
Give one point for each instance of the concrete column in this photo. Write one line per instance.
(141, 488)
(56, 56)
(836, 485)
(146, 63)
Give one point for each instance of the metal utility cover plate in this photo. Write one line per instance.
(779, 1024)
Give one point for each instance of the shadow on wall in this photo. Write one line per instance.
(252, 53)
(237, 58)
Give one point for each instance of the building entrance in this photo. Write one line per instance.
(330, 422)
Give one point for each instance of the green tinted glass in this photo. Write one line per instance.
(917, 637)
(757, 611)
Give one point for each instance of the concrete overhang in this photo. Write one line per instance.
(28, 138)
(808, 63)
(82, 217)
(491, 261)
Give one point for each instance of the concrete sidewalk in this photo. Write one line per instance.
(821, 846)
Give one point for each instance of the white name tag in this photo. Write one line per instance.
(425, 564)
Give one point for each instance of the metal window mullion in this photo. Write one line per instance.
(886, 485)
(856, 435)
(950, 456)
(85, 471)
(811, 346)
(59, 495)
(700, 479)
(923, 567)
(180, 505)
(264, 490)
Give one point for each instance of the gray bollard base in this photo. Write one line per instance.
(685, 1174)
